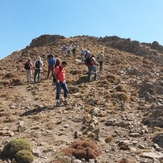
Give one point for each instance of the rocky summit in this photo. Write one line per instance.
(117, 118)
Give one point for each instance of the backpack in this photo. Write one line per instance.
(27, 66)
(57, 63)
(89, 61)
(51, 61)
(87, 53)
(37, 64)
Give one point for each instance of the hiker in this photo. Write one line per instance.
(74, 52)
(90, 63)
(100, 59)
(57, 63)
(38, 66)
(28, 67)
(87, 53)
(64, 48)
(69, 51)
(82, 54)
(51, 63)
(59, 74)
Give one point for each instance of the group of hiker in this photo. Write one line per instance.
(57, 69)
(67, 50)
(29, 68)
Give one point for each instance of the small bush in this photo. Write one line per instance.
(61, 158)
(24, 156)
(14, 146)
(121, 96)
(111, 76)
(121, 88)
(83, 149)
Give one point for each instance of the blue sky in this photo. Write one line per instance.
(23, 20)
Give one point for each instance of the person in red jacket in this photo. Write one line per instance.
(60, 76)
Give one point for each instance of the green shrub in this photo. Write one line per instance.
(24, 156)
(14, 146)
(61, 157)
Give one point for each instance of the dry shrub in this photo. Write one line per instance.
(61, 158)
(121, 96)
(102, 83)
(83, 149)
(111, 76)
(73, 89)
(121, 88)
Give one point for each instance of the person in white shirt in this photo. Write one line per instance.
(100, 59)
(38, 64)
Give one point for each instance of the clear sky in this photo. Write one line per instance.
(23, 20)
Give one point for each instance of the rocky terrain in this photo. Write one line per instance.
(121, 112)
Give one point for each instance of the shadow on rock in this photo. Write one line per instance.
(82, 79)
(36, 110)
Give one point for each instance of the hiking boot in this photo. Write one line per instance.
(57, 104)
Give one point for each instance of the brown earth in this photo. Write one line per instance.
(121, 112)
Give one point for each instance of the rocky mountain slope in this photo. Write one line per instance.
(121, 112)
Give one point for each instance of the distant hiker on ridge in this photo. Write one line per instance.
(74, 51)
(82, 54)
(100, 59)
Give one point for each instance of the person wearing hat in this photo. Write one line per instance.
(38, 66)
(100, 59)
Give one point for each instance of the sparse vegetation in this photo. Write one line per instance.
(14, 146)
(24, 156)
(122, 96)
(121, 88)
(83, 149)
(61, 158)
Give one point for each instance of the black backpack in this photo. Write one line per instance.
(89, 61)
(27, 66)
(37, 64)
